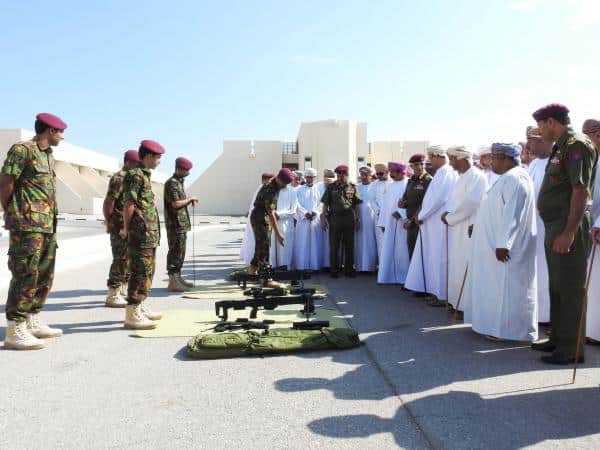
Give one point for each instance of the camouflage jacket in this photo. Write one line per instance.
(144, 229)
(266, 199)
(32, 206)
(175, 219)
(115, 190)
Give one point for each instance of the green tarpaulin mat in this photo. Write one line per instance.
(268, 342)
(190, 322)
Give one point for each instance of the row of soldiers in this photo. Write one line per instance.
(505, 245)
(28, 198)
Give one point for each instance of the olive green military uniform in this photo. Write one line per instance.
(119, 268)
(31, 220)
(413, 198)
(341, 200)
(177, 222)
(572, 163)
(144, 232)
(266, 201)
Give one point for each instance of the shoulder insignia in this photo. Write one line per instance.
(571, 140)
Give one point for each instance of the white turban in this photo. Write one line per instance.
(436, 150)
(484, 150)
(365, 169)
(460, 152)
(310, 172)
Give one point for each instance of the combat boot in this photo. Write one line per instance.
(252, 270)
(273, 284)
(123, 290)
(114, 299)
(174, 284)
(18, 337)
(187, 284)
(152, 315)
(39, 329)
(136, 320)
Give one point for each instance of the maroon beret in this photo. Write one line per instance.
(183, 163)
(132, 155)
(52, 121)
(554, 110)
(341, 169)
(417, 158)
(152, 146)
(397, 166)
(268, 175)
(285, 175)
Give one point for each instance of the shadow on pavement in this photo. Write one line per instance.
(76, 293)
(91, 327)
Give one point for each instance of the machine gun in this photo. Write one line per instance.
(270, 303)
(264, 292)
(242, 324)
(281, 273)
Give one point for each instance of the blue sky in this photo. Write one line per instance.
(192, 73)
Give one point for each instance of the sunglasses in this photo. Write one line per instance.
(380, 174)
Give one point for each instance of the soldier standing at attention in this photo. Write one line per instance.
(263, 219)
(341, 200)
(112, 209)
(28, 197)
(177, 222)
(413, 198)
(141, 228)
(564, 196)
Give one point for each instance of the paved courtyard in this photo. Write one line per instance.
(419, 381)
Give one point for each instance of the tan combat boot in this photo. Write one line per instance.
(39, 329)
(174, 284)
(187, 284)
(136, 320)
(114, 299)
(152, 315)
(18, 337)
(123, 290)
(252, 270)
(273, 284)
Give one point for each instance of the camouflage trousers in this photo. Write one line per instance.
(141, 265)
(31, 258)
(262, 242)
(119, 268)
(176, 255)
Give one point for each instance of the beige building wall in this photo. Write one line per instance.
(227, 185)
(385, 151)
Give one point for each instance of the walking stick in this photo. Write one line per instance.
(447, 268)
(394, 251)
(422, 259)
(455, 317)
(193, 244)
(582, 314)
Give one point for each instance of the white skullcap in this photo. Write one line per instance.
(365, 169)
(460, 152)
(310, 172)
(484, 150)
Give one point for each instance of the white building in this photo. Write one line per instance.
(82, 175)
(226, 186)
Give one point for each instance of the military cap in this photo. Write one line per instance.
(553, 110)
(183, 163)
(310, 172)
(132, 155)
(533, 132)
(152, 146)
(328, 173)
(397, 166)
(285, 175)
(417, 158)
(591, 126)
(365, 169)
(52, 121)
(341, 169)
(459, 152)
(380, 167)
(268, 175)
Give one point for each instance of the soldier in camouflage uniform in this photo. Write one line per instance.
(177, 222)
(118, 274)
(141, 227)
(413, 198)
(340, 202)
(263, 219)
(564, 196)
(28, 198)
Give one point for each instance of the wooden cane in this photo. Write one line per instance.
(447, 268)
(582, 314)
(455, 316)
(193, 244)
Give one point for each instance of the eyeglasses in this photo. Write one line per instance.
(380, 174)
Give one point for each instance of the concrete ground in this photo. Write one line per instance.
(419, 381)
